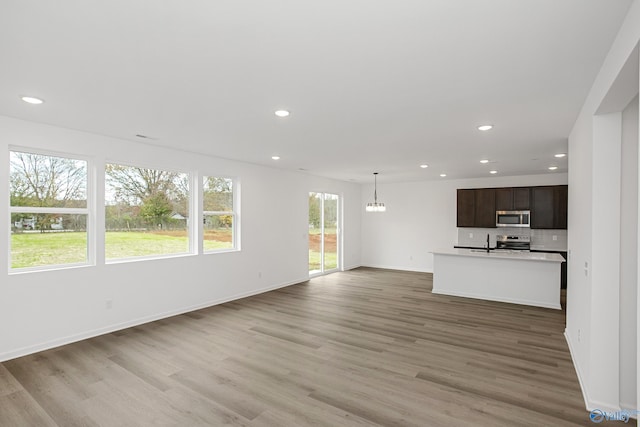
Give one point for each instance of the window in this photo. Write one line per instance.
(49, 212)
(219, 217)
(146, 212)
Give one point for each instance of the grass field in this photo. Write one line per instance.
(37, 249)
(330, 261)
(330, 248)
(40, 249)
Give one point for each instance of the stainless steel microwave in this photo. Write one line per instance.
(513, 218)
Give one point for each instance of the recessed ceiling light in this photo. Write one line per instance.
(442, 175)
(32, 100)
(282, 113)
(552, 168)
(485, 127)
(493, 172)
(560, 155)
(483, 161)
(275, 157)
(424, 166)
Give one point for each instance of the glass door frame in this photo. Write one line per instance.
(322, 270)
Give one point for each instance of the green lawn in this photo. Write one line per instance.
(40, 249)
(330, 257)
(37, 249)
(330, 261)
(126, 244)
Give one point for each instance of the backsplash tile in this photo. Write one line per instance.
(543, 240)
(540, 239)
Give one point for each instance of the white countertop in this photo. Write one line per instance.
(550, 249)
(516, 255)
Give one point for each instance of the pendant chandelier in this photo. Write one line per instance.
(375, 206)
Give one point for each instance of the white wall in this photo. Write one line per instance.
(603, 382)
(593, 301)
(44, 309)
(421, 217)
(629, 256)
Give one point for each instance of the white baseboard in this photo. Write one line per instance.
(589, 403)
(630, 407)
(139, 321)
(395, 267)
(572, 352)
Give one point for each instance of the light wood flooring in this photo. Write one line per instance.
(358, 348)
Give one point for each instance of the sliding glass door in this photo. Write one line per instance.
(324, 236)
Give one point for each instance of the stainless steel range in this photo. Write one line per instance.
(513, 243)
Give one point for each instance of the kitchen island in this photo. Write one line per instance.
(529, 278)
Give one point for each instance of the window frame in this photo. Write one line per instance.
(234, 213)
(190, 250)
(87, 210)
(96, 203)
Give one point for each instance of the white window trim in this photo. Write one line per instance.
(235, 215)
(90, 187)
(191, 250)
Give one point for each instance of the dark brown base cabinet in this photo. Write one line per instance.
(548, 205)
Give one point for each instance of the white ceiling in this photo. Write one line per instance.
(372, 85)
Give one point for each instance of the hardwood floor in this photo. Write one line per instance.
(363, 347)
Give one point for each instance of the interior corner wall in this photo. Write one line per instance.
(629, 256)
(44, 309)
(579, 245)
(604, 379)
(421, 218)
(584, 306)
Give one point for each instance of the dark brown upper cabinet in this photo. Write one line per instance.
(476, 208)
(512, 198)
(466, 208)
(504, 199)
(549, 207)
(561, 202)
(486, 208)
(521, 198)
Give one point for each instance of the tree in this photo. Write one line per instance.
(218, 194)
(47, 181)
(44, 181)
(134, 185)
(149, 194)
(314, 210)
(156, 209)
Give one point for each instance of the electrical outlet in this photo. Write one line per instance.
(108, 304)
(578, 335)
(410, 257)
(259, 274)
(554, 238)
(586, 268)
(471, 235)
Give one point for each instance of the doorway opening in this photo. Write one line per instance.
(324, 256)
